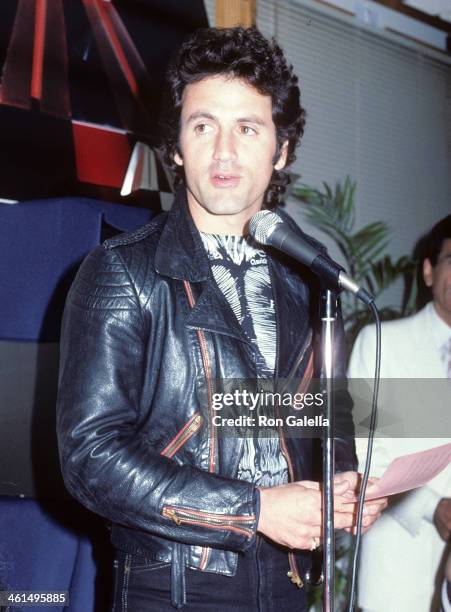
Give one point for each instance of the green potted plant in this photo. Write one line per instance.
(332, 211)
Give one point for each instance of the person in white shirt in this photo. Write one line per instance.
(402, 555)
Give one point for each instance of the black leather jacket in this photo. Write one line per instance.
(145, 332)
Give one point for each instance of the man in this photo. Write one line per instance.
(156, 316)
(402, 554)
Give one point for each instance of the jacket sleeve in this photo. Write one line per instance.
(107, 463)
(361, 374)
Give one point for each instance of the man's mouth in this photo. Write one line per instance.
(225, 180)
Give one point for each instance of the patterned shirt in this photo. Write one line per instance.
(241, 272)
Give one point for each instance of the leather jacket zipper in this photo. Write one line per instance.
(212, 520)
(213, 442)
(293, 573)
(207, 370)
(187, 431)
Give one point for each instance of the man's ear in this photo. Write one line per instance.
(282, 160)
(428, 272)
(178, 158)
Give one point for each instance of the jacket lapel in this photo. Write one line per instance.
(291, 297)
(181, 255)
(213, 313)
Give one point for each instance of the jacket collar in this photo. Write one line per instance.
(180, 253)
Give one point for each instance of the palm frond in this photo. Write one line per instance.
(332, 211)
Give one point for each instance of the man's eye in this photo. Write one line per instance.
(247, 130)
(202, 128)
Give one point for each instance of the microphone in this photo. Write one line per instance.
(269, 229)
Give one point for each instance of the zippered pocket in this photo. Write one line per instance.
(182, 437)
(213, 520)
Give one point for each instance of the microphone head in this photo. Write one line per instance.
(262, 225)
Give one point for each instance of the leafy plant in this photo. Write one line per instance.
(333, 212)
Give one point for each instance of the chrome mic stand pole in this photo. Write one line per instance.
(328, 317)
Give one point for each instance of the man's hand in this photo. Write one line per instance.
(371, 509)
(442, 518)
(291, 514)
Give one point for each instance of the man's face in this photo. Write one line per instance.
(227, 144)
(439, 279)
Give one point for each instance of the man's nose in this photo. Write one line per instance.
(225, 146)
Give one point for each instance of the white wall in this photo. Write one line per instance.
(378, 110)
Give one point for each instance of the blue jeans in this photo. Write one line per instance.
(260, 584)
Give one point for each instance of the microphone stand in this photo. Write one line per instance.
(269, 229)
(328, 314)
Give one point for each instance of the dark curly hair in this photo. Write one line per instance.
(435, 239)
(429, 246)
(246, 54)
